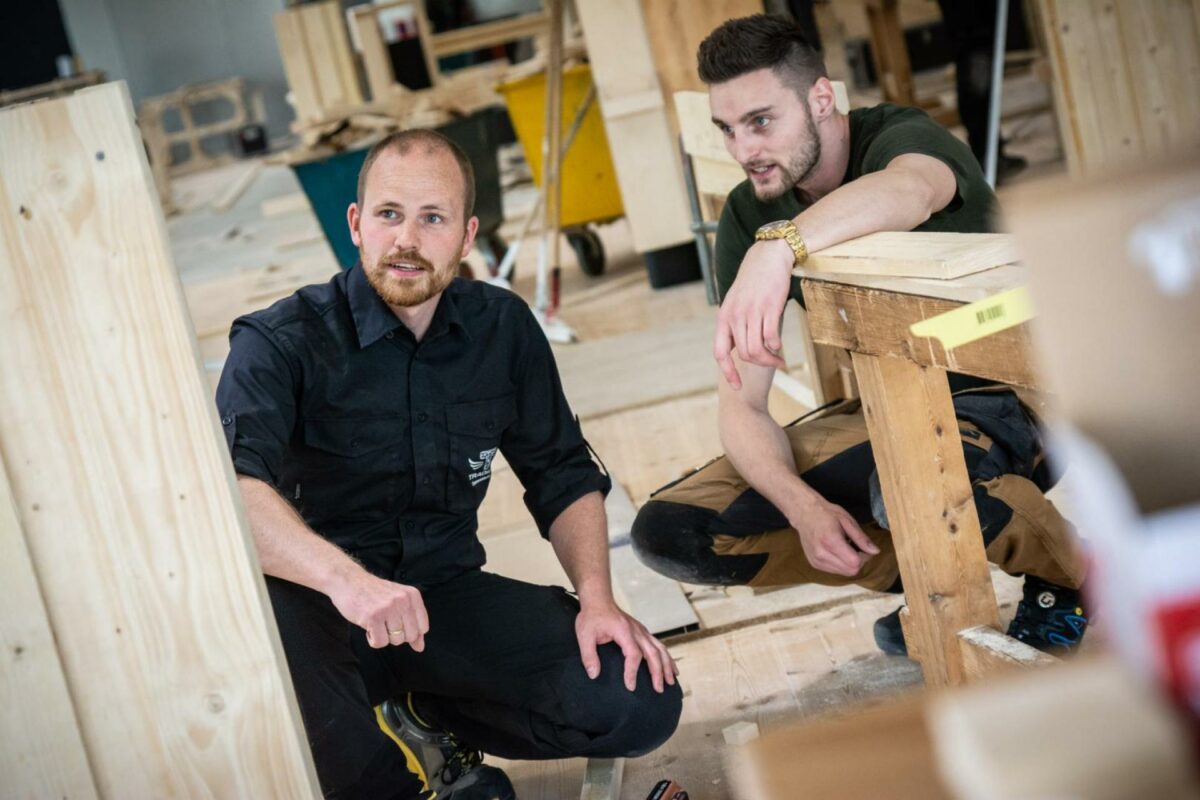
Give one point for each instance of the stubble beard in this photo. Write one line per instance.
(800, 166)
(413, 291)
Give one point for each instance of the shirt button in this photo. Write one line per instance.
(389, 335)
(226, 420)
(408, 526)
(489, 425)
(426, 480)
(354, 444)
(422, 417)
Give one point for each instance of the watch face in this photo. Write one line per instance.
(772, 227)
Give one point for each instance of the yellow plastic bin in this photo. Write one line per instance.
(589, 183)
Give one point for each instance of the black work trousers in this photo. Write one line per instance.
(500, 670)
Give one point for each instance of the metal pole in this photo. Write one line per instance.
(552, 155)
(993, 140)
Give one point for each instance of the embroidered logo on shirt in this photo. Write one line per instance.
(481, 470)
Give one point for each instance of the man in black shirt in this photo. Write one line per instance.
(363, 416)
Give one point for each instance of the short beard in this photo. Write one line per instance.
(801, 166)
(407, 292)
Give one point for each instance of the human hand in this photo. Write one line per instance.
(391, 613)
(749, 317)
(832, 540)
(597, 625)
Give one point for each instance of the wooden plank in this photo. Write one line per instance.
(1124, 79)
(489, 34)
(827, 758)
(877, 323)
(642, 144)
(912, 254)
(381, 80)
(930, 508)
(166, 638)
(41, 751)
(1087, 728)
(602, 779)
(297, 66)
(237, 187)
(317, 60)
(986, 651)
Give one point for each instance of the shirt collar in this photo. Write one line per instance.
(373, 319)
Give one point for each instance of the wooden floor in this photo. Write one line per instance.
(642, 380)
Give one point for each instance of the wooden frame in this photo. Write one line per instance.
(922, 471)
(183, 101)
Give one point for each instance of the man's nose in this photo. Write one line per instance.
(407, 236)
(741, 148)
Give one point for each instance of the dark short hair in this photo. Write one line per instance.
(403, 141)
(760, 41)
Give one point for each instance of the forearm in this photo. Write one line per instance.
(579, 536)
(287, 547)
(889, 200)
(759, 450)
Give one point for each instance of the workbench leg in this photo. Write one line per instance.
(930, 509)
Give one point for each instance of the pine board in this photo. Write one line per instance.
(912, 254)
(117, 463)
(41, 751)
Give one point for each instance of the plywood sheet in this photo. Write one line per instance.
(121, 478)
(912, 254)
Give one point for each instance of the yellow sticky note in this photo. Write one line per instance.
(977, 320)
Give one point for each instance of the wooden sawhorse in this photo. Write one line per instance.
(952, 623)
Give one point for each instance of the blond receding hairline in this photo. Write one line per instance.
(403, 142)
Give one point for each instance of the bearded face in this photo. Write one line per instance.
(410, 229)
(408, 278)
(773, 179)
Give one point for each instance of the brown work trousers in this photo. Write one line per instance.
(711, 527)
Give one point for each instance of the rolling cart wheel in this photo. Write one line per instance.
(588, 250)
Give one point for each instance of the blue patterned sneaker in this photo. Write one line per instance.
(449, 769)
(1049, 617)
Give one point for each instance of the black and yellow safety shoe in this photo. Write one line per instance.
(449, 769)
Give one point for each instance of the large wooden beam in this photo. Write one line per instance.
(986, 651)
(930, 509)
(121, 481)
(41, 752)
(877, 323)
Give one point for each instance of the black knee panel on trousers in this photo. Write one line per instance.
(676, 540)
(639, 721)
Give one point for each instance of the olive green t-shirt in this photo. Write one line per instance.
(877, 135)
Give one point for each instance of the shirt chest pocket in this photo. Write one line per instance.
(352, 468)
(474, 430)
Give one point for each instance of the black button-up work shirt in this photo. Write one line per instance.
(385, 444)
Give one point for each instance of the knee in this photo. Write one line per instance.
(669, 537)
(642, 720)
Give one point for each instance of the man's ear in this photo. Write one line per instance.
(822, 102)
(469, 239)
(353, 217)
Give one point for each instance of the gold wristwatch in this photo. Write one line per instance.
(784, 229)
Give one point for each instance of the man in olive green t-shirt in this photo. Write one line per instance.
(803, 504)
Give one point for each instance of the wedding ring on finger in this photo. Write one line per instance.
(399, 633)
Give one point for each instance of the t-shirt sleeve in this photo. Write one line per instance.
(733, 240)
(256, 398)
(922, 135)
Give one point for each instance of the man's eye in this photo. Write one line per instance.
(388, 213)
(434, 218)
(762, 122)
(725, 130)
